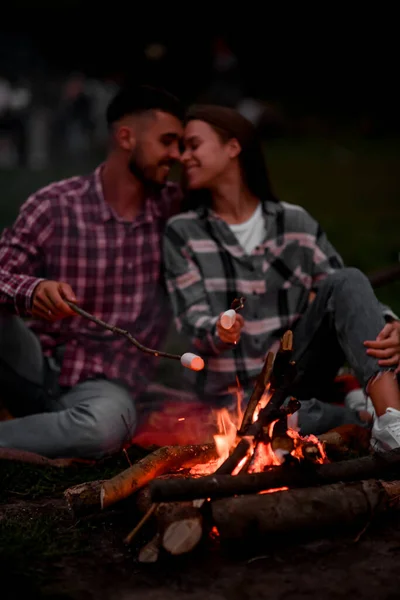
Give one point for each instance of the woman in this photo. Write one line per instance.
(236, 240)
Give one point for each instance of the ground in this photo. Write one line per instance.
(46, 553)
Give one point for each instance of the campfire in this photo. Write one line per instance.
(255, 477)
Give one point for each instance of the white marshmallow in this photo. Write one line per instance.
(228, 318)
(192, 361)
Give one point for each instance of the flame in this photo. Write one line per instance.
(264, 455)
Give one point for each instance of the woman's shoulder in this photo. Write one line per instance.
(184, 222)
(297, 217)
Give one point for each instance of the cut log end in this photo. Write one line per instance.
(182, 536)
(150, 551)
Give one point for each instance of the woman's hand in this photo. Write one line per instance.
(232, 335)
(386, 347)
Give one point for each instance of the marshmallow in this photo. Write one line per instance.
(228, 318)
(192, 361)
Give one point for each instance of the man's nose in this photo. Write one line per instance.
(175, 152)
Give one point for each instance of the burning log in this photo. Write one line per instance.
(163, 460)
(284, 373)
(89, 497)
(308, 510)
(259, 389)
(299, 476)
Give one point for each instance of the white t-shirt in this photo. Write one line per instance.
(251, 233)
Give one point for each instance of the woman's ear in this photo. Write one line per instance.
(234, 148)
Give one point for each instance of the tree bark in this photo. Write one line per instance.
(308, 510)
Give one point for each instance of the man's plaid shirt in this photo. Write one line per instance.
(67, 232)
(206, 269)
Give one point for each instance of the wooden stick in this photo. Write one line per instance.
(259, 389)
(295, 511)
(139, 526)
(163, 460)
(185, 359)
(308, 475)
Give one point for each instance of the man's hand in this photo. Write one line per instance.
(232, 335)
(386, 347)
(48, 300)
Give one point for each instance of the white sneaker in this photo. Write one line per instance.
(386, 431)
(356, 400)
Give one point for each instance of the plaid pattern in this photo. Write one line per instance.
(67, 232)
(206, 269)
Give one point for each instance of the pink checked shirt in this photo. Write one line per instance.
(67, 232)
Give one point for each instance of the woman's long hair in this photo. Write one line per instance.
(228, 124)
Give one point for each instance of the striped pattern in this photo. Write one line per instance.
(67, 232)
(206, 269)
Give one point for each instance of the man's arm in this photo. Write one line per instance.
(188, 296)
(21, 255)
(23, 247)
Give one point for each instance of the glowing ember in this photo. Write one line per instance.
(272, 491)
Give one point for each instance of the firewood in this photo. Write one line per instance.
(258, 391)
(310, 510)
(150, 551)
(345, 440)
(163, 460)
(93, 496)
(180, 526)
(301, 475)
(84, 499)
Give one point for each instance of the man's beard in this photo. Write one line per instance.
(146, 175)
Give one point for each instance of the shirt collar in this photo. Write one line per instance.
(152, 205)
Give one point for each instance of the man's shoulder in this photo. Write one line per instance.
(72, 187)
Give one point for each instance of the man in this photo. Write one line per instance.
(94, 240)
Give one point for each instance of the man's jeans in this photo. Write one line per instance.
(344, 313)
(91, 420)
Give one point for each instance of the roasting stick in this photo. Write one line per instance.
(188, 359)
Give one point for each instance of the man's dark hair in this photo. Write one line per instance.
(135, 100)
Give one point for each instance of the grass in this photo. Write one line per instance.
(29, 481)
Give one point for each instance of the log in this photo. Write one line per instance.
(310, 511)
(149, 552)
(84, 499)
(284, 374)
(260, 386)
(299, 476)
(163, 460)
(180, 526)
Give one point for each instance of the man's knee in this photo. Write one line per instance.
(107, 421)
